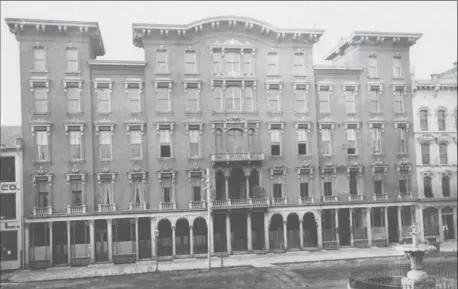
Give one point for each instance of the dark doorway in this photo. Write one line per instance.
(310, 230)
(219, 231)
(344, 227)
(101, 241)
(239, 231)
(144, 238)
(257, 229)
(393, 226)
(59, 239)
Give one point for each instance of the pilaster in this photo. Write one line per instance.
(153, 237)
(319, 230)
(385, 210)
(400, 223)
(351, 227)
(174, 242)
(250, 242)
(69, 251)
(441, 225)
(266, 232)
(92, 241)
(110, 239)
(228, 233)
(137, 256)
(285, 234)
(337, 227)
(369, 226)
(26, 245)
(301, 234)
(191, 240)
(51, 245)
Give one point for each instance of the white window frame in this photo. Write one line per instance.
(378, 89)
(36, 49)
(75, 61)
(399, 91)
(272, 63)
(349, 132)
(75, 126)
(192, 89)
(133, 141)
(236, 97)
(246, 99)
(377, 139)
(195, 128)
(163, 174)
(248, 60)
(168, 126)
(68, 85)
(103, 133)
(81, 182)
(215, 63)
(328, 101)
(403, 137)
(301, 93)
(438, 113)
(218, 93)
(100, 85)
(162, 66)
(372, 66)
(275, 92)
(420, 112)
(190, 58)
(277, 128)
(302, 56)
(326, 136)
(80, 137)
(45, 147)
(165, 86)
(41, 84)
(232, 66)
(397, 67)
(302, 130)
(443, 143)
(350, 101)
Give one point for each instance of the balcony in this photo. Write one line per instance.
(197, 204)
(107, 207)
(405, 196)
(237, 157)
(240, 203)
(167, 206)
(279, 201)
(306, 200)
(137, 206)
(329, 199)
(355, 198)
(42, 211)
(381, 197)
(76, 209)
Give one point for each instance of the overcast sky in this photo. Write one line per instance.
(434, 52)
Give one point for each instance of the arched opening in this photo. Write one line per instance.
(310, 230)
(255, 191)
(123, 236)
(292, 226)
(220, 185)
(144, 238)
(165, 238)
(276, 232)
(182, 237)
(235, 141)
(431, 222)
(219, 233)
(200, 236)
(447, 223)
(237, 184)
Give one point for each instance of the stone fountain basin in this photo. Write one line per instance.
(420, 248)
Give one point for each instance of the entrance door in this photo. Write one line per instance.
(59, 253)
(447, 221)
(344, 227)
(101, 246)
(393, 226)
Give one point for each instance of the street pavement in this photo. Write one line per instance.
(341, 255)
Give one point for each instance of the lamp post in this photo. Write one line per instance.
(156, 236)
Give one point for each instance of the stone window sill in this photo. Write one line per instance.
(73, 72)
(193, 113)
(38, 71)
(82, 161)
(42, 162)
(164, 113)
(165, 158)
(73, 114)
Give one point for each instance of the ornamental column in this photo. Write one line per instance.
(319, 229)
(191, 240)
(174, 249)
(441, 224)
(386, 225)
(69, 244)
(153, 237)
(227, 174)
(301, 234)
(228, 233)
(285, 234)
(369, 226)
(455, 233)
(266, 232)
(248, 225)
(51, 246)
(400, 224)
(419, 210)
(351, 227)
(91, 241)
(137, 241)
(247, 174)
(211, 231)
(26, 245)
(110, 239)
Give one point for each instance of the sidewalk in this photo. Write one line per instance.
(267, 260)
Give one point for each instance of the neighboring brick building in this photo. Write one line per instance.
(290, 145)
(435, 126)
(11, 234)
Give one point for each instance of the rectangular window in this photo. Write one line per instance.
(403, 183)
(7, 206)
(163, 100)
(272, 64)
(217, 63)
(194, 143)
(249, 99)
(39, 59)
(399, 101)
(441, 120)
(372, 67)
(167, 191)
(275, 142)
(299, 64)
(196, 193)
(106, 187)
(190, 59)
(105, 145)
(136, 144)
(304, 190)
(443, 154)
(274, 100)
(327, 184)
(402, 146)
(72, 60)
(218, 99)
(133, 95)
(350, 102)
(248, 64)
(77, 193)
(427, 187)
(302, 139)
(43, 194)
(397, 67)
(162, 61)
(353, 183)
(103, 95)
(192, 100)
(377, 140)
(233, 98)
(446, 186)
(232, 63)
(40, 95)
(9, 241)
(138, 190)
(278, 193)
(326, 145)
(73, 100)
(374, 97)
(76, 148)
(324, 95)
(425, 154)
(7, 169)
(378, 184)
(352, 148)
(165, 143)
(301, 100)
(42, 146)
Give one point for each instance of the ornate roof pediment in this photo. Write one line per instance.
(279, 169)
(379, 166)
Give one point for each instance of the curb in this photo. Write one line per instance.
(331, 261)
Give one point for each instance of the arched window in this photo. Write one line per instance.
(423, 119)
(218, 141)
(427, 187)
(251, 141)
(235, 141)
(441, 120)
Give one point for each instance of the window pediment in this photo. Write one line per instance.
(404, 166)
(444, 138)
(328, 168)
(447, 173)
(303, 124)
(133, 83)
(275, 124)
(441, 109)
(162, 83)
(278, 170)
(379, 166)
(301, 85)
(232, 44)
(72, 82)
(378, 86)
(401, 123)
(74, 125)
(104, 124)
(166, 173)
(351, 86)
(324, 86)
(191, 84)
(137, 173)
(195, 172)
(194, 124)
(377, 122)
(352, 123)
(105, 174)
(165, 125)
(274, 85)
(40, 125)
(354, 167)
(41, 175)
(75, 175)
(427, 174)
(100, 83)
(39, 81)
(135, 123)
(327, 123)
(426, 138)
(401, 86)
(304, 169)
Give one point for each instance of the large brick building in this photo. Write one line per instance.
(301, 156)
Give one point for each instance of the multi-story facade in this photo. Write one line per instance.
(11, 198)
(300, 156)
(435, 126)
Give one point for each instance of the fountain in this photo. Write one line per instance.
(405, 276)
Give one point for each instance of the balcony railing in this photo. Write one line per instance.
(405, 196)
(40, 211)
(330, 199)
(137, 206)
(306, 200)
(107, 207)
(76, 209)
(241, 203)
(279, 201)
(261, 202)
(381, 197)
(237, 157)
(167, 206)
(354, 198)
(197, 204)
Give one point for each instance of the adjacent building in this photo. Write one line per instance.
(301, 156)
(11, 198)
(435, 126)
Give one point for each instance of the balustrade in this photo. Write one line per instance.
(107, 207)
(42, 211)
(76, 209)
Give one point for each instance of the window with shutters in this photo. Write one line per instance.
(377, 140)
(324, 99)
(136, 144)
(73, 100)
(425, 153)
(233, 99)
(327, 184)
(402, 137)
(105, 144)
(326, 143)
(196, 186)
(162, 60)
(137, 186)
(352, 147)
(378, 183)
(427, 187)
(443, 154)
(441, 120)
(42, 145)
(398, 100)
(272, 63)
(39, 59)
(165, 143)
(424, 120)
(72, 60)
(372, 66)
(404, 183)
(374, 99)
(248, 63)
(249, 99)
(194, 142)
(275, 142)
(43, 192)
(76, 187)
(397, 67)
(217, 62)
(299, 63)
(277, 186)
(104, 100)
(232, 62)
(76, 145)
(167, 188)
(218, 99)
(445, 186)
(190, 59)
(302, 142)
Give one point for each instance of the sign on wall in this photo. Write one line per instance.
(8, 187)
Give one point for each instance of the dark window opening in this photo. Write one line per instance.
(446, 186)
(403, 187)
(167, 195)
(378, 187)
(7, 169)
(351, 151)
(8, 243)
(7, 206)
(275, 150)
(304, 187)
(427, 186)
(353, 183)
(196, 194)
(165, 151)
(302, 148)
(328, 188)
(278, 191)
